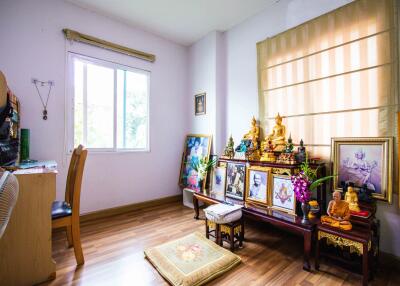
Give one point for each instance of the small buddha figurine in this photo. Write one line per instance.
(278, 134)
(267, 149)
(351, 198)
(253, 134)
(289, 145)
(338, 213)
(249, 144)
(229, 150)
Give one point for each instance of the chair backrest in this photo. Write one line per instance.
(8, 198)
(74, 179)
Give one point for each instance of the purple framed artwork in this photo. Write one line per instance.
(366, 162)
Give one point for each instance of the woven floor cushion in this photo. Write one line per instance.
(191, 260)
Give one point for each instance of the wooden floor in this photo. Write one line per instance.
(113, 249)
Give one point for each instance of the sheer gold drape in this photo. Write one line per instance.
(333, 76)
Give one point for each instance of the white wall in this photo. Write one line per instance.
(207, 74)
(32, 45)
(238, 72)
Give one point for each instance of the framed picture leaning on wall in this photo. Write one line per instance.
(200, 104)
(196, 147)
(235, 178)
(257, 179)
(365, 161)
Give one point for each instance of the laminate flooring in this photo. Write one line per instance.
(113, 249)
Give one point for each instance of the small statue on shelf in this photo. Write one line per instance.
(287, 156)
(229, 151)
(351, 198)
(289, 145)
(365, 194)
(277, 137)
(267, 149)
(338, 213)
(248, 147)
(301, 153)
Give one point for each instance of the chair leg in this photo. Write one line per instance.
(69, 236)
(207, 230)
(76, 238)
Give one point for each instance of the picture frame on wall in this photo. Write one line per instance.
(218, 181)
(235, 180)
(364, 161)
(196, 147)
(257, 179)
(200, 104)
(282, 195)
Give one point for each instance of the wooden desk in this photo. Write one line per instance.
(25, 248)
(288, 222)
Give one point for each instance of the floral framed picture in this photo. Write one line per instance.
(282, 195)
(257, 179)
(235, 179)
(366, 162)
(200, 104)
(196, 147)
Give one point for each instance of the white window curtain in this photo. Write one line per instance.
(333, 76)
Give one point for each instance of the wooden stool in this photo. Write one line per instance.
(358, 240)
(232, 232)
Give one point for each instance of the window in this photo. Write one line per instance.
(109, 105)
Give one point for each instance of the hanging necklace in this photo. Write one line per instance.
(42, 83)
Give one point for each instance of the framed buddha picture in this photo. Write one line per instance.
(282, 195)
(200, 104)
(196, 147)
(367, 162)
(235, 179)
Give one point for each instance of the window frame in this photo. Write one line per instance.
(70, 103)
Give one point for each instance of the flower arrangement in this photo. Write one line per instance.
(202, 166)
(305, 182)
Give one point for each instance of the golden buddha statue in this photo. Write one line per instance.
(267, 150)
(338, 213)
(277, 136)
(254, 131)
(351, 198)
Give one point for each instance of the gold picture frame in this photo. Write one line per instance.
(200, 104)
(187, 175)
(369, 161)
(256, 189)
(281, 195)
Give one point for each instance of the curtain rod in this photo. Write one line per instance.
(79, 37)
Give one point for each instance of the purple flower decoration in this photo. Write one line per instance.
(301, 186)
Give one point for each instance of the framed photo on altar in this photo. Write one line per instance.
(282, 195)
(235, 179)
(257, 179)
(365, 161)
(218, 180)
(196, 147)
(200, 104)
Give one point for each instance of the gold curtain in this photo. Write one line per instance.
(333, 76)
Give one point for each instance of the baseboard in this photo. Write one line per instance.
(127, 208)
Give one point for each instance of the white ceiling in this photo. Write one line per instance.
(182, 21)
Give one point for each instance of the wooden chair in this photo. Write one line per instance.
(66, 213)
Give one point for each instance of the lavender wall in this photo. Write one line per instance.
(32, 45)
(237, 71)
